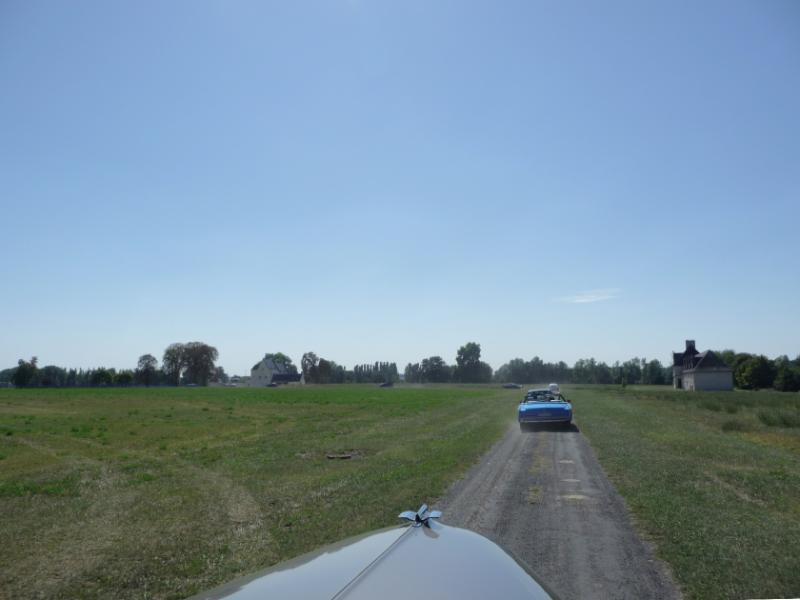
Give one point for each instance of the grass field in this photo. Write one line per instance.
(712, 478)
(160, 493)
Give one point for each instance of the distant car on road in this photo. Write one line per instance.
(542, 406)
(512, 386)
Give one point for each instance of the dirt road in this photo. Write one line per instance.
(543, 496)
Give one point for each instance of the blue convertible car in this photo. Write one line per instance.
(542, 406)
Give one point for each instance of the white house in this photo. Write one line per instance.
(693, 370)
(267, 371)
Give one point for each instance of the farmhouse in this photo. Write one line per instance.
(267, 372)
(693, 370)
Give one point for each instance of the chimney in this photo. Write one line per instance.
(690, 347)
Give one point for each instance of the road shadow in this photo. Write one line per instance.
(534, 427)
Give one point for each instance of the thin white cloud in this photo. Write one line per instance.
(591, 296)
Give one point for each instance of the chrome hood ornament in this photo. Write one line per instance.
(421, 517)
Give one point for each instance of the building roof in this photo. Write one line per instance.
(271, 365)
(706, 361)
(679, 359)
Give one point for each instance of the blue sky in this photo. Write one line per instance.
(387, 181)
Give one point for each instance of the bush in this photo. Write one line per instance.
(787, 378)
(754, 373)
(779, 418)
(734, 425)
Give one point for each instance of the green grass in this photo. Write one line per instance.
(160, 493)
(712, 478)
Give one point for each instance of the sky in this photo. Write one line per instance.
(386, 181)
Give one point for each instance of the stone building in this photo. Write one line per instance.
(267, 371)
(693, 370)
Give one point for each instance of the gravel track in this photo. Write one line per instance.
(542, 495)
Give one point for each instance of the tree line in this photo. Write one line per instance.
(192, 363)
(469, 368)
(321, 370)
(586, 370)
(756, 371)
(750, 371)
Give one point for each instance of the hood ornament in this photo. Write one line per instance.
(420, 517)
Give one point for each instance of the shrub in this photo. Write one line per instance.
(755, 372)
(734, 425)
(779, 418)
(787, 378)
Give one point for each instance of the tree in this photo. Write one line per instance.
(435, 370)
(755, 372)
(220, 376)
(52, 376)
(484, 374)
(102, 377)
(146, 369)
(591, 371)
(309, 365)
(727, 356)
(468, 361)
(279, 358)
(412, 373)
(470, 368)
(532, 371)
(174, 362)
(518, 371)
(324, 371)
(199, 360)
(124, 378)
(602, 373)
(378, 372)
(737, 364)
(631, 371)
(25, 374)
(6, 375)
(653, 373)
(338, 373)
(583, 370)
(787, 376)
